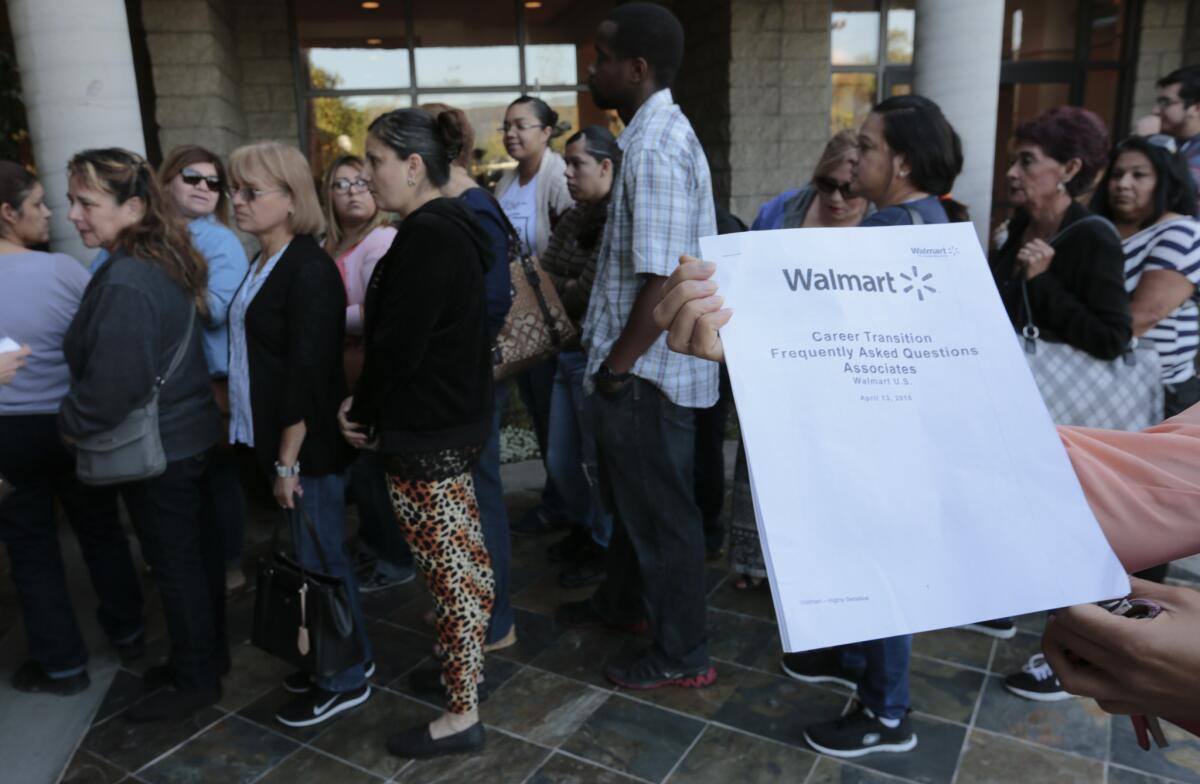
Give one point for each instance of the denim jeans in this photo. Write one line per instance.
(185, 559)
(535, 386)
(883, 685)
(710, 463)
(377, 527)
(33, 458)
(493, 519)
(226, 503)
(324, 501)
(655, 563)
(571, 450)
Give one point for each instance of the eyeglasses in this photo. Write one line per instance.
(1166, 103)
(193, 177)
(519, 127)
(827, 185)
(250, 194)
(343, 185)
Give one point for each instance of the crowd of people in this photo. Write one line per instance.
(353, 352)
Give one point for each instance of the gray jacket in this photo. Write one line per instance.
(553, 198)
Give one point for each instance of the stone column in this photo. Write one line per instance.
(956, 62)
(79, 89)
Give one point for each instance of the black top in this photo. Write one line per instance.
(295, 328)
(427, 377)
(1081, 299)
(123, 337)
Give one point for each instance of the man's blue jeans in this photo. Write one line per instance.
(324, 500)
(534, 386)
(377, 526)
(493, 518)
(571, 448)
(883, 685)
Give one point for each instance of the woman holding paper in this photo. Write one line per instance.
(909, 157)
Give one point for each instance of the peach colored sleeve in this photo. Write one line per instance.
(1143, 487)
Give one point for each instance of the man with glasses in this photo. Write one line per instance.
(1178, 111)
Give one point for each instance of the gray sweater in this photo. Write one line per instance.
(129, 324)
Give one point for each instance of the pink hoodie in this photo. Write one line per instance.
(356, 266)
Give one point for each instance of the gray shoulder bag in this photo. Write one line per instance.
(132, 450)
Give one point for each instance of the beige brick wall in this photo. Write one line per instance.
(1160, 49)
(196, 73)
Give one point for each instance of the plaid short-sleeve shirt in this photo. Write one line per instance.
(660, 207)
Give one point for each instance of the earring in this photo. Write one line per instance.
(411, 182)
(904, 175)
(1062, 186)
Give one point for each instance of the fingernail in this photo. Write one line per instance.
(707, 265)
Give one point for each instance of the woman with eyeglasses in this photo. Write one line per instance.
(286, 381)
(137, 311)
(534, 196)
(357, 234)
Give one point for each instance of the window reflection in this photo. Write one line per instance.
(853, 97)
(559, 37)
(1038, 30)
(357, 69)
(1108, 29)
(855, 32)
(350, 47)
(485, 112)
(338, 125)
(462, 43)
(901, 31)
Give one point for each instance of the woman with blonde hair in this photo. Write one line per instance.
(286, 380)
(136, 313)
(829, 191)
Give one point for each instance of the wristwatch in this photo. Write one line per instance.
(608, 381)
(287, 472)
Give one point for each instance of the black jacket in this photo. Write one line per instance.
(1081, 299)
(129, 324)
(295, 329)
(427, 378)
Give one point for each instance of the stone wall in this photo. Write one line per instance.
(1160, 49)
(1191, 40)
(196, 73)
(264, 52)
(779, 81)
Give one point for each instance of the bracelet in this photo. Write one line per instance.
(287, 472)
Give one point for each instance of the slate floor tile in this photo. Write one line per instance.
(831, 771)
(722, 756)
(1119, 775)
(541, 706)
(751, 642)
(396, 650)
(125, 689)
(933, 760)
(561, 769)
(312, 767)
(1012, 655)
(535, 633)
(253, 673)
(87, 768)
(411, 614)
(1075, 725)
(360, 736)
(754, 603)
(234, 751)
(944, 690)
(957, 646)
(130, 746)
(992, 758)
(1034, 622)
(496, 672)
(583, 654)
(546, 594)
(1179, 761)
(778, 708)
(634, 738)
(505, 760)
(379, 604)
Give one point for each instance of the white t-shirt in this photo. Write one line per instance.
(519, 203)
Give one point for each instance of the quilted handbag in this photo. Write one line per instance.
(1125, 393)
(303, 616)
(537, 325)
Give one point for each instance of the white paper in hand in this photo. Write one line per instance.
(905, 473)
(7, 344)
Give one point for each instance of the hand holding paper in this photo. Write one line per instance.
(690, 310)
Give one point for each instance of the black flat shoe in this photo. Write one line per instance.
(417, 743)
(32, 679)
(428, 683)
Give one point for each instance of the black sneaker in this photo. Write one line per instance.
(1036, 681)
(571, 547)
(301, 681)
(860, 732)
(646, 672)
(381, 582)
(1001, 628)
(32, 679)
(820, 666)
(318, 705)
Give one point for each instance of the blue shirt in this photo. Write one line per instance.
(227, 267)
(241, 420)
(930, 208)
(770, 215)
(497, 282)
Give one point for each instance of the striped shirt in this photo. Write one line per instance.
(660, 207)
(1172, 245)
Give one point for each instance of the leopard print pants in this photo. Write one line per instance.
(440, 521)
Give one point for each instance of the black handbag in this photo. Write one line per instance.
(303, 616)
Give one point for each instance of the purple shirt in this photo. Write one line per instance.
(39, 294)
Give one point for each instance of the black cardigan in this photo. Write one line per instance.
(426, 383)
(1081, 299)
(295, 329)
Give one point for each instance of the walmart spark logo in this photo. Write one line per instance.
(917, 283)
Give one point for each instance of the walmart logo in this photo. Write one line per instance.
(918, 283)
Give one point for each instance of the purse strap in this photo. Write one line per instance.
(181, 350)
(287, 514)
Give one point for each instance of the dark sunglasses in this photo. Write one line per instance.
(827, 185)
(193, 177)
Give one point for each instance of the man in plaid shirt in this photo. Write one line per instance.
(646, 395)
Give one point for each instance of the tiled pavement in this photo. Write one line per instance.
(552, 719)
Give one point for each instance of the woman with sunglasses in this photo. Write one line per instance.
(357, 235)
(534, 196)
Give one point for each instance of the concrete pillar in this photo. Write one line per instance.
(79, 90)
(956, 62)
